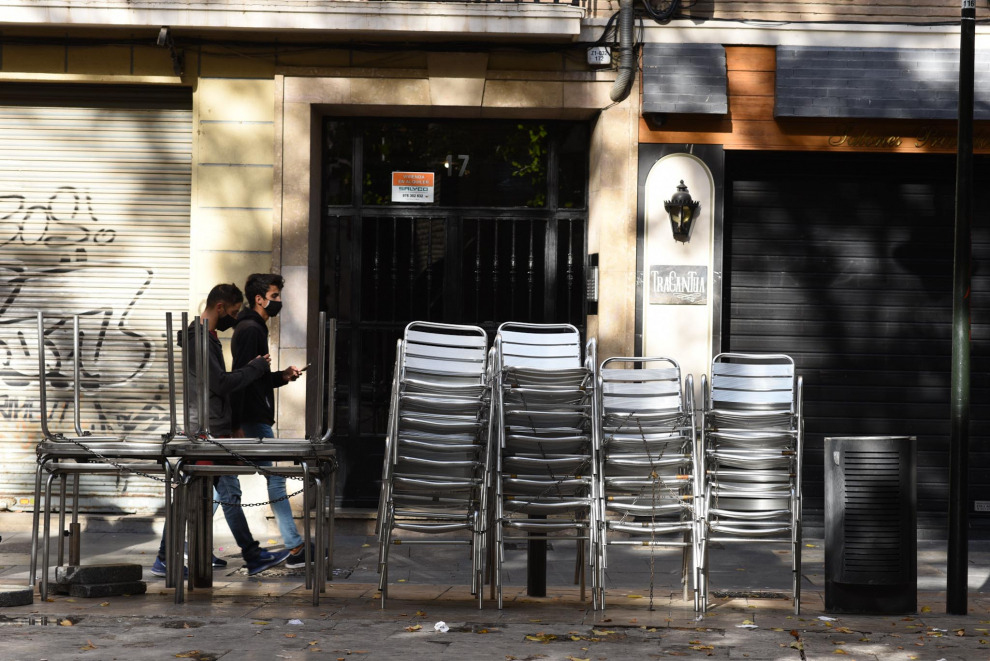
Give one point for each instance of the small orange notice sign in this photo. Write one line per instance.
(412, 187)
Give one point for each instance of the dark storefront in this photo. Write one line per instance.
(844, 261)
(504, 239)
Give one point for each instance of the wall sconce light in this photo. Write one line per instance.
(682, 210)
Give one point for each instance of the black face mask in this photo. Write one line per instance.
(225, 322)
(273, 307)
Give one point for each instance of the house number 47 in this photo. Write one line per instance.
(451, 165)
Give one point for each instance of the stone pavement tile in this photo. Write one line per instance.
(255, 587)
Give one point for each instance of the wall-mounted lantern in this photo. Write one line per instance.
(682, 210)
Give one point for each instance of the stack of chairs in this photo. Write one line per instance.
(436, 446)
(645, 429)
(753, 430)
(543, 457)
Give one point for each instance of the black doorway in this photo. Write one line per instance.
(505, 239)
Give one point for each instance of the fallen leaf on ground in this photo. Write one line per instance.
(843, 630)
(260, 622)
(542, 637)
(187, 655)
(959, 632)
(798, 645)
(71, 601)
(601, 633)
(88, 646)
(574, 658)
(634, 596)
(811, 546)
(364, 546)
(748, 622)
(416, 627)
(315, 649)
(926, 609)
(421, 613)
(839, 652)
(702, 647)
(290, 635)
(105, 603)
(65, 623)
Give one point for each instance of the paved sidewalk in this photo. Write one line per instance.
(249, 618)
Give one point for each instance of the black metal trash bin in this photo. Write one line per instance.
(871, 517)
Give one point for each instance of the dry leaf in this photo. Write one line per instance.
(748, 622)
(105, 603)
(843, 630)
(88, 646)
(798, 645)
(402, 580)
(542, 637)
(65, 623)
(634, 596)
(260, 622)
(702, 647)
(187, 655)
(290, 635)
(839, 652)
(312, 642)
(315, 649)
(601, 633)
(364, 546)
(421, 613)
(71, 601)
(416, 627)
(926, 609)
(574, 658)
(959, 632)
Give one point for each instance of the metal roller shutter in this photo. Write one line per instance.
(845, 263)
(94, 220)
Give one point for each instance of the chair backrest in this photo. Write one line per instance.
(648, 390)
(444, 352)
(539, 346)
(763, 382)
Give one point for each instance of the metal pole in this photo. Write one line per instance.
(185, 375)
(956, 597)
(42, 382)
(170, 357)
(76, 413)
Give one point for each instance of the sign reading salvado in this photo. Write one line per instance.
(678, 285)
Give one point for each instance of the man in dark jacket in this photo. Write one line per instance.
(254, 406)
(221, 307)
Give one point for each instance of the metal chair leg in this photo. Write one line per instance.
(46, 541)
(332, 504)
(35, 520)
(75, 538)
(63, 488)
(308, 556)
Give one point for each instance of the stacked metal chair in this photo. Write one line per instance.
(645, 429)
(753, 428)
(436, 446)
(544, 454)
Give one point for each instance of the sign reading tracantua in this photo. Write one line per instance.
(678, 285)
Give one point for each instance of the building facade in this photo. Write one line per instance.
(267, 136)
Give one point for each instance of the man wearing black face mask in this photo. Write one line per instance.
(254, 406)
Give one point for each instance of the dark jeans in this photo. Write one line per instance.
(236, 521)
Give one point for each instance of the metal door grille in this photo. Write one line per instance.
(94, 220)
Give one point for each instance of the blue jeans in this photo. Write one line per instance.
(276, 489)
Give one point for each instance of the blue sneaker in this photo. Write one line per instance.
(158, 569)
(266, 560)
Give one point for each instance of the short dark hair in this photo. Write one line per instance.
(228, 294)
(259, 283)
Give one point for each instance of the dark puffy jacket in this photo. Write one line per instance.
(256, 402)
(222, 384)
